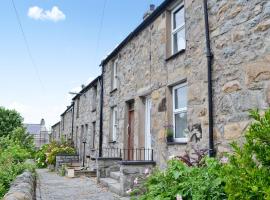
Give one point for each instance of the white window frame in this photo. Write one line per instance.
(178, 111)
(114, 124)
(114, 75)
(177, 29)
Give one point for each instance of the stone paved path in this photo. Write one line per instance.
(51, 186)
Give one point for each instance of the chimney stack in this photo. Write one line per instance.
(149, 12)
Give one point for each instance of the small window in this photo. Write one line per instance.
(178, 29)
(114, 75)
(180, 112)
(114, 124)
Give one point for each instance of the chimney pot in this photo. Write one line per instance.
(149, 12)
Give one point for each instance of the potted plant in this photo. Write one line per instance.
(169, 133)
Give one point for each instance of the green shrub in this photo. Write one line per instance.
(59, 150)
(190, 182)
(47, 153)
(247, 175)
(40, 156)
(12, 162)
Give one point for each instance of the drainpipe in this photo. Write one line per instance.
(101, 115)
(209, 57)
(72, 122)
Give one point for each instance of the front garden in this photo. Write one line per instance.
(241, 175)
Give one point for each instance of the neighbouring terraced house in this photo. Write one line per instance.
(86, 119)
(55, 132)
(190, 68)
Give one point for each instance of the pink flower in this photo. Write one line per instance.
(129, 191)
(136, 181)
(179, 197)
(146, 171)
(224, 160)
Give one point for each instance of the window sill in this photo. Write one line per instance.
(175, 55)
(176, 143)
(114, 90)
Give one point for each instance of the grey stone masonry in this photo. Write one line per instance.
(107, 165)
(65, 159)
(130, 172)
(23, 188)
(66, 123)
(239, 33)
(86, 119)
(55, 136)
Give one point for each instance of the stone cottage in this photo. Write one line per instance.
(157, 80)
(86, 120)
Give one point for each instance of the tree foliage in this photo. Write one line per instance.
(9, 121)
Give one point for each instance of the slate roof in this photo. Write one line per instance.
(33, 129)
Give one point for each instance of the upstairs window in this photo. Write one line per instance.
(114, 75)
(178, 29)
(180, 112)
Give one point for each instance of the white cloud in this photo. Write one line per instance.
(37, 13)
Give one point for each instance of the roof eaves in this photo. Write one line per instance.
(86, 88)
(139, 28)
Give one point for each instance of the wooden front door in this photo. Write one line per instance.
(130, 134)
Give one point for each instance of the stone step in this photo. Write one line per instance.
(112, 184)
(108, 181)
(115, 175)
(86, 173)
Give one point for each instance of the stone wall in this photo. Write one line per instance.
(241, 75)
(240, 33)
(128, 173)
(23, 188)
(65, 159)
(107, 165)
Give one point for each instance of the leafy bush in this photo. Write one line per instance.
(41, 157)
(59, 150)
(16, 145)
(47, 154)
(247, 175)
(12, 162)
(189, 182)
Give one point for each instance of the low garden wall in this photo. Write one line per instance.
(23, 188)
(65, 159)
(132, 170)
(106, 165)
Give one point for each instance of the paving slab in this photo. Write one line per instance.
(51, 186)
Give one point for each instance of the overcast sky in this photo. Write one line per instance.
(67, 40)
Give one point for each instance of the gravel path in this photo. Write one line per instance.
(51, 186)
